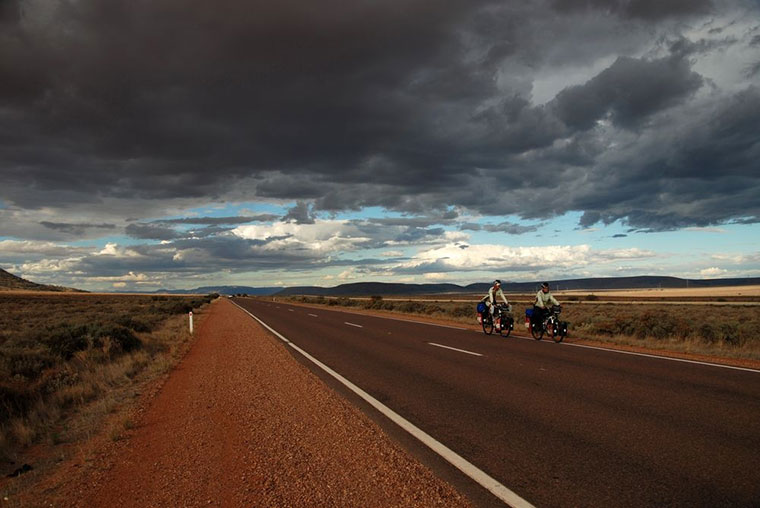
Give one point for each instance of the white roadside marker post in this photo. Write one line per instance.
(191, 322)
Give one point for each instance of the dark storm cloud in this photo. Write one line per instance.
(510, 228)
(215, 221)
(504, 227)
(416, 222)
(415, 106)
(645, 9)
(629, 91)
(151, 232)
(300, 214)
(75, 229)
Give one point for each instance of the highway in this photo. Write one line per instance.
(553, 424)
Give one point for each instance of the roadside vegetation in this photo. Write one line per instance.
(725, 329)
(63, 356)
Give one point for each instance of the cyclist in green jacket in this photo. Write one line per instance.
(544, 298)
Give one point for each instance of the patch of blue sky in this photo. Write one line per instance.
(101, 242)
(703, 240)
(230, 210)
(562, 230)
(372, 212)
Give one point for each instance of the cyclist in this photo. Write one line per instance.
(541, 306)
(493, 292)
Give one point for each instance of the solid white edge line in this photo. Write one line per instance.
(672, 359)
(479, 476)
(353, 324)
(647, 355)
(455, 349)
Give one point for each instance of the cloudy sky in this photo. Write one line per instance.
(150, 144)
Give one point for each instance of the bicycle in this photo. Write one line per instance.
(501, 320)
(550, 325)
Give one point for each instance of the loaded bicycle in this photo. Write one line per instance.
(550, 325)
(501, 321)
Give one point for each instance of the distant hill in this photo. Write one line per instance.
(373, 288)
(9, 282)
(605, 283)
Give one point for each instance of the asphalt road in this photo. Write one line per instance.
(558, 425)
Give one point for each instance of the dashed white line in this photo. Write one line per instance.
(455, 349)
(313, 315)
(353, 324)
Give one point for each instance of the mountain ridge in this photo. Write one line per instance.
(10, 282)
(601, 283)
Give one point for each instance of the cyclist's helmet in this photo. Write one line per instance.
(545, 285)
(497, 281)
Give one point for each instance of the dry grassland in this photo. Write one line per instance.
(718, 292)
(69, 359)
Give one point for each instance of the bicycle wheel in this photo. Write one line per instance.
(548, 328)
(505, 323)
(537, 331)
(487, 324)
(561, 334)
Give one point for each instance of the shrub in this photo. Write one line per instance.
(15, 398)
(28, 363)
(138, 325)
(411, 307)
(463, 311)
(123, 337)
(434, 309)
(66, 339)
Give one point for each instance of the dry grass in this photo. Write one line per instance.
(717, 292)
(69, 360)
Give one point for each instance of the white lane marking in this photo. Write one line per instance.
(684, 360)
(291, 310)
(455, 349)
(404, 320)
(647, 355)
(353, 324)
(456, 460)
(313, 315)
